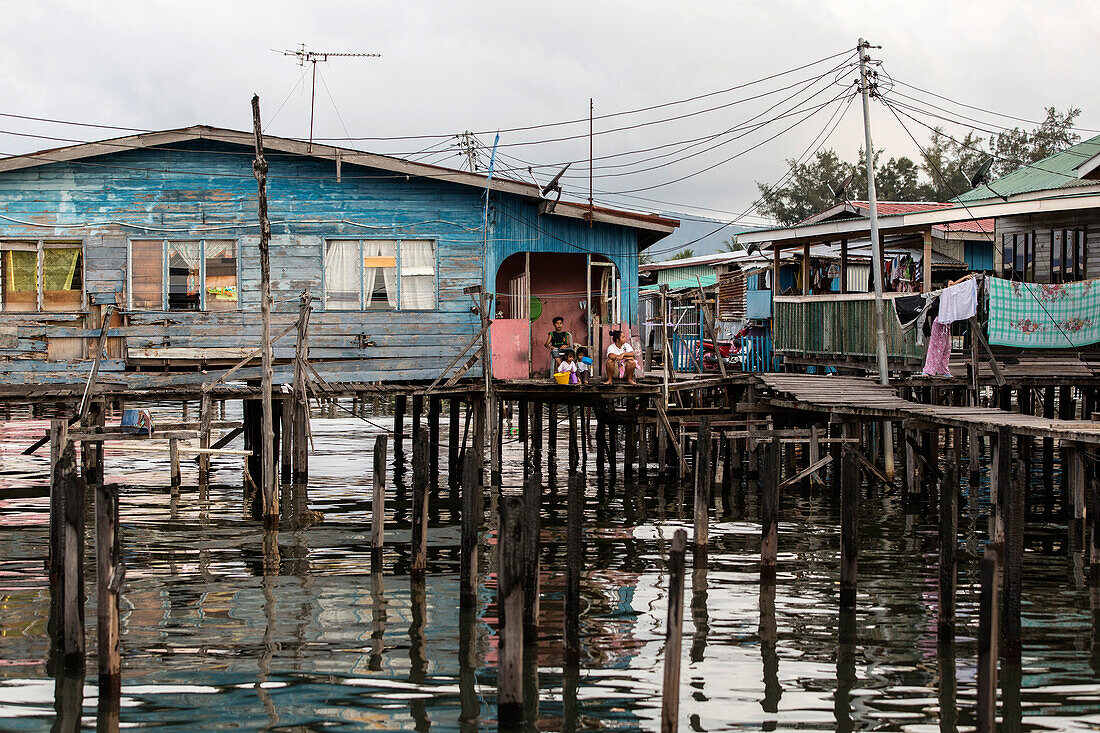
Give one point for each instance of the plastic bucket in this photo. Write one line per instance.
(561, 377)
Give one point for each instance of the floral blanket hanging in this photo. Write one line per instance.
(1042, 316)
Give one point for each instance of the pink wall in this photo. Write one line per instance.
(510, 340)
(558, 280)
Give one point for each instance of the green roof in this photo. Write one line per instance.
(1055, 171)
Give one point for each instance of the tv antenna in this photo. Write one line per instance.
(305, 56)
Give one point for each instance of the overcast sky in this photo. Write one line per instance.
(482, 66)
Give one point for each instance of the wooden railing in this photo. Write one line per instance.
(838, 327)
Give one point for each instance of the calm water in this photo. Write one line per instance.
(210, 641)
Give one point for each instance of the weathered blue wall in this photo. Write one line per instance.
(204, 189)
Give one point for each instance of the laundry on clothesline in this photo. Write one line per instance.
(917, 311)
(959, 302)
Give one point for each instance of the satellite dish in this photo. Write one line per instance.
(982, 174)
(554, 185)
(840, 191)
(546, 206)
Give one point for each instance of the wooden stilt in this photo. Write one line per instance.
(419, 555)
(552, 444)
(109, 578)
(1000, 475)
(174, 460)
(471, 520)
(67, 483)
(378, 504)
(286, 442)
(574, 447)
(703, 478)
(849, 521)
(769, 510)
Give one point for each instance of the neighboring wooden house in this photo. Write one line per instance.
(163, 225)
(1045, 228)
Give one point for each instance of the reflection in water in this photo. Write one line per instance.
(68, 702)
(226, 625)
(845, 669)
(773, 691)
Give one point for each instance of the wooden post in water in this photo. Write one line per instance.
(948, 535)
(510, 607)
(643, 447)
(574, 566)
(109, 577)
(987, 644)
(286, 442)
(612, 448)
(419, 553)
(206, 417)
(630, 440)
(67, 485)
(849, 514)
(1073, 468)
(1093, 519)
(378, 504)
(1013, 566)
(703, 477)
(267, 450)
(174, 461)
(674, 629)
(300, 418)
(471, 488)
(769, 510)
(574, 448)
(92, 453)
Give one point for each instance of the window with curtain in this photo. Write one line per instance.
(342, 275)
(380, 274)
(220, 270)
(41, 276)
(1068, 255)
(182, 275)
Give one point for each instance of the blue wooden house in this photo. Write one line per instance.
(163, 225)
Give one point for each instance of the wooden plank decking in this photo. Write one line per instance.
(865, 397)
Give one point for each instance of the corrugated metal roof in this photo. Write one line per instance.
(1055, 171)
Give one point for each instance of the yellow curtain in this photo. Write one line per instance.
(58, 268)
(21, 267)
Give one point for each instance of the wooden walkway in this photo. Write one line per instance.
(867, 398)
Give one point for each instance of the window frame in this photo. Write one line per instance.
(164, 242)
(400, 242)
(1073, 251)
(40, 245)
(1008, 264)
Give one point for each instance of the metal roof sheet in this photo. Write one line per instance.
(1055, 171)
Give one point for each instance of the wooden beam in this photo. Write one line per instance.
(812, 468)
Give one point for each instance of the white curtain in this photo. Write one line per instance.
(342, 265)
(417, 275)
(189, 252)
(380, 248)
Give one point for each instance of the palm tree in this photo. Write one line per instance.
(732, 245)
(683, 254)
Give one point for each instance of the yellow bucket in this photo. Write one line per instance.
(562, 377)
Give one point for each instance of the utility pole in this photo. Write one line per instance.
(591, 146)
(469, 147)
(305, 56)
(876, 249)
(267, 482)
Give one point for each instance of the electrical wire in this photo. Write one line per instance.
(814, 146)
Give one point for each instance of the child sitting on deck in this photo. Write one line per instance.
(568, 365)
(584, 365)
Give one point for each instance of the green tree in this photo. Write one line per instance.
(731, 245)
(683, 254)
(807, 189)
(947, 161)
(1015, 148)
